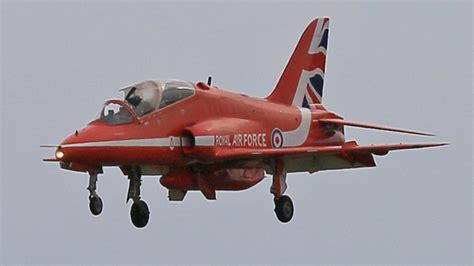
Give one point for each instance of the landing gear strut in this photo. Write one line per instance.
(95, 202)
(283, 205)
(139, 213)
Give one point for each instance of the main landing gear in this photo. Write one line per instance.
(283, 205)
(284, 208)
(95, 202)
(139, 213)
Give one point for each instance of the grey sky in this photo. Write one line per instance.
(403, 64)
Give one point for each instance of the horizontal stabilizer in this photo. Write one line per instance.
(371, 126)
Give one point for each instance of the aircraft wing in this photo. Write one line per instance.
(346, 149)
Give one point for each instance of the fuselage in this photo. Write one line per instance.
(208, 122)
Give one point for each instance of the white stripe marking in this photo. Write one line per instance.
(204, 141)
(299, 135)
(152, 142)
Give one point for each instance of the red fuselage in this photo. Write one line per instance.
(193, 132)
(231, 120)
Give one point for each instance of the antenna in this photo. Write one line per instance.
(209, 80)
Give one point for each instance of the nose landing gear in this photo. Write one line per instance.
(139, 213)
(95, 202)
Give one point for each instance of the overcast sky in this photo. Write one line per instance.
(402, 64)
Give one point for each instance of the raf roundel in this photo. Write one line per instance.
(277, 138)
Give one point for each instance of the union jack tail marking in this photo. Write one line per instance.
(301, 83)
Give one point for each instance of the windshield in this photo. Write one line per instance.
(115, 114)
(150, 96)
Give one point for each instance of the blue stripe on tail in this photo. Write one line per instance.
(317, 82)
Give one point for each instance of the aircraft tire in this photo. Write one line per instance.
(95, 205)
(139, 214)
(284, 209)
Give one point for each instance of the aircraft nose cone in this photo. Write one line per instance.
(71, 149)
(95, 145)
(74, 155)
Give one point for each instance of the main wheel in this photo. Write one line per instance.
(284, 209)
(139, 214)
(95, 205)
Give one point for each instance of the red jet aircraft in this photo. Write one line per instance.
(200, 137)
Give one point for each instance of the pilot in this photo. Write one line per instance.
(123, 115)
(134, 100)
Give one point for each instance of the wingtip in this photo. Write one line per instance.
(436, 144)
(415, 132)
(429, 134)
(424, 133)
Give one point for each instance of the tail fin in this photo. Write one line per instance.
(301, 83)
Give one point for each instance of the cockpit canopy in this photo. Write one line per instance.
(150, 96)
(143, 98)
(116, 112)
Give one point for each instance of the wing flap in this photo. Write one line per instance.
(370, 126)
